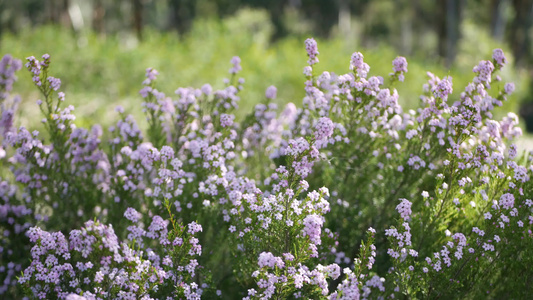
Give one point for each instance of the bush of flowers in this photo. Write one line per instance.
(345, 197)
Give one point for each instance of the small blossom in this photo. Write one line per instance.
(312, 51)
(271, 92)
(404, 208)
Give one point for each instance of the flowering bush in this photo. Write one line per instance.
(347, 197)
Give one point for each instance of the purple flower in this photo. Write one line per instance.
(55, 83)
(267, 259)
(312, 51)
(404, 208)
(507, 201)
(399, 64)
(167, 153)
(324, 128)
(271, 92)
(509, 88)
(313, 227)
(443, 88)
(194, 228)
(308, 71)
(6, 121)
(75, 297)
(207, 89)
(358, 65)
(46, 60)
(8, 67)
(499, 57)
(132, 215)
(236, 61)
(226, 120)
(484, 72)
(34, 66)
(151, 75)
(297, 146)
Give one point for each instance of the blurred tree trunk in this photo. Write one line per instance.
(52, 11)
(497, 23)
(98, 17)
(440, 24)
(277, 12)
(2, 24)
(75, 16)
(519, 31)
(137, 18)
(448, 19)
(406, 10)
(182, 13)
(345, 20)
(65, 17)
(58, 12)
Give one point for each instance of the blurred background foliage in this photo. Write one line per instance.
(101, 48)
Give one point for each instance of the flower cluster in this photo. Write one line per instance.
(90, 262)
(279, 204)
(8, 67)
(399, 66)
(93, 262)
(312, 51)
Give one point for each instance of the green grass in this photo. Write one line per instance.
(99, 73)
